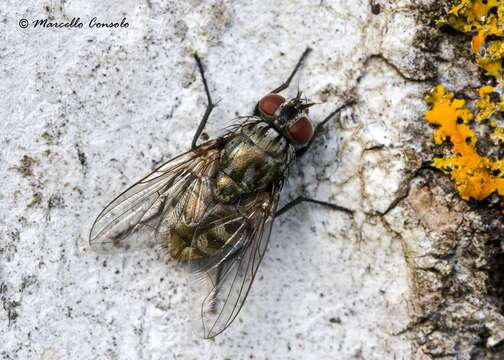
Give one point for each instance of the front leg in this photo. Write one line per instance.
(210, 104)
(286, 84)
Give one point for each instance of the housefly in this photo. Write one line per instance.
(213, 207)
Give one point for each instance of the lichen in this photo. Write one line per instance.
(483, 20)
(476, 175)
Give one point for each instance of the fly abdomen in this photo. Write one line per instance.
(226, 190)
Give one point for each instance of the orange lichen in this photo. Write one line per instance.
(478, 41)
(473, 174)
(476, 176)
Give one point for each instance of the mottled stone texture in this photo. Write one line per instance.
(85, 112)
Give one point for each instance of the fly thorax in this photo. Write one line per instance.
(251, 161)
(268, 139)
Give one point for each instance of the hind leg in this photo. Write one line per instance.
(302, 199)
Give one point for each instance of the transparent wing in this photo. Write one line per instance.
(179, 190)
(231, 271)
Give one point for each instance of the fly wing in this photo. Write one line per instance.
(177, 191)
(231, 271)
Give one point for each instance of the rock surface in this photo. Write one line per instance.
(85, 112)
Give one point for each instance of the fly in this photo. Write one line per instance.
(214, 206)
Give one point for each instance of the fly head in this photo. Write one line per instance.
(290, 116)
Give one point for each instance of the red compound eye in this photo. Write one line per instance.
(301, 131)
(270, 103)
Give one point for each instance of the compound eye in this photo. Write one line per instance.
(270, 103)
(301, 131)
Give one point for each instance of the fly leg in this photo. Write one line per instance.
(210, 104)
(286, 84)
(318, 129)
(302, 199)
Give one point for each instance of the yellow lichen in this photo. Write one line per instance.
(476, 176)
(483, 20)
(499, 134)
(488, 104)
